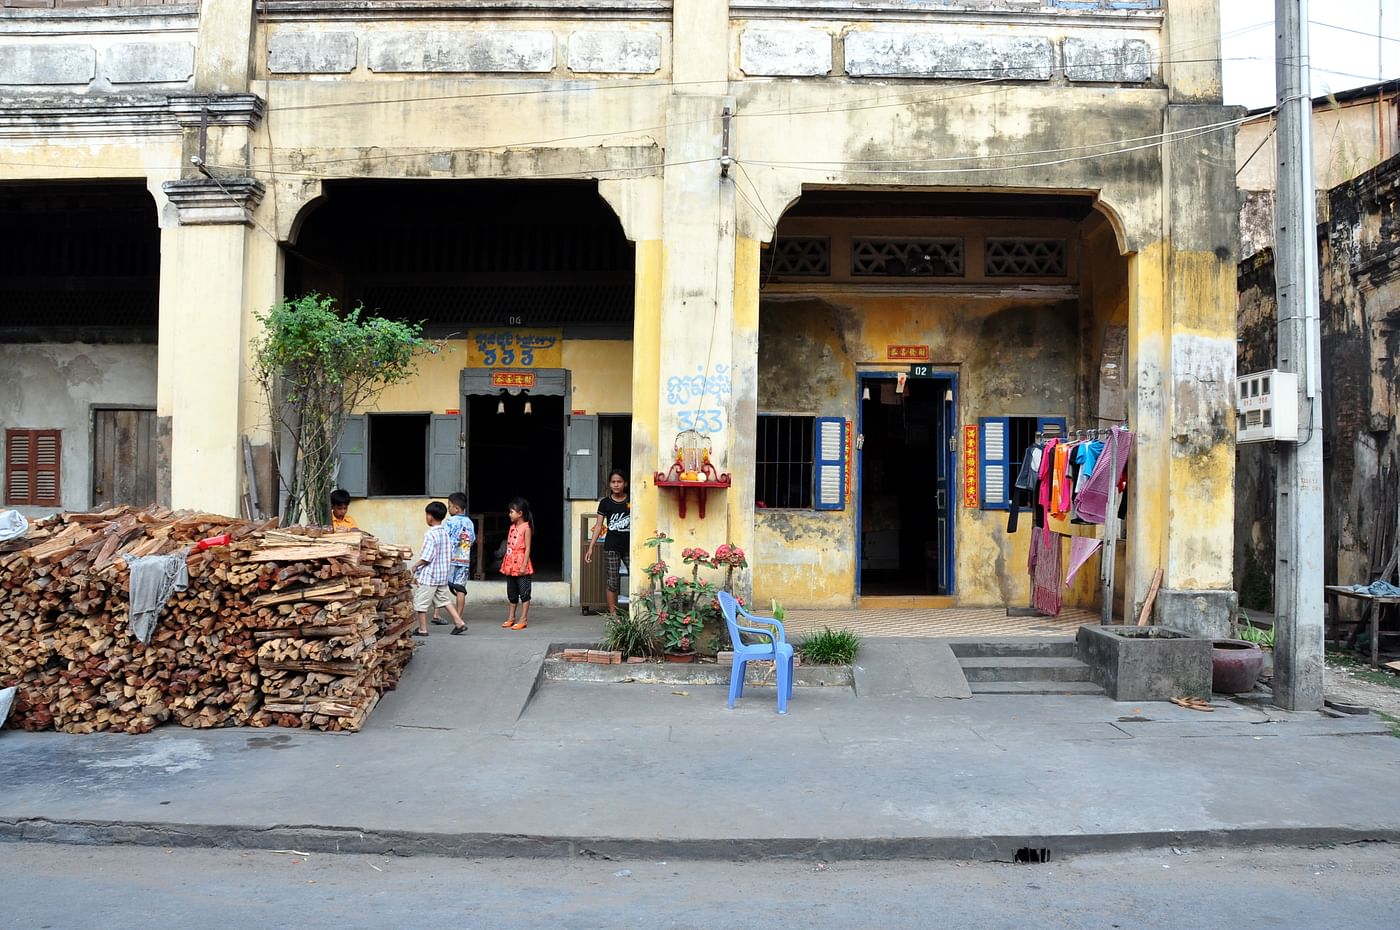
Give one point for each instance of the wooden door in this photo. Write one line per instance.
(123, 457)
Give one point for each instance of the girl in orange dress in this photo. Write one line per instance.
(516, 566)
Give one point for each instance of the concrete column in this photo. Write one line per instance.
(1149, 346)
(204, 333)
(1198, 585)
(695, 381)
(700, 47)
(224, 53)
(1191, 66)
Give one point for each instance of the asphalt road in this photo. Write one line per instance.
(43, 886)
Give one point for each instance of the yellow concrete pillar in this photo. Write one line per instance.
(694, 381)
(204, 331)
(646, 425)
(743, 406)
(1149, 342)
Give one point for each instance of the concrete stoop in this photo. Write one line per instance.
(1023, 666)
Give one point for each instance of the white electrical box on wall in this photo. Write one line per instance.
(1266, 407)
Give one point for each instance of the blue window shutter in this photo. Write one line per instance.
(994, 437)
(353, 474)
(1050, 427)
(830, 456)
(444, 455)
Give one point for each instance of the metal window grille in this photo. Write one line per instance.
(907, 258)
(1026, 258)
(1021, 437)
(785, 462)
(805, 256)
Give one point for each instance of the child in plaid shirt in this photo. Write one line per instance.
(432, 572)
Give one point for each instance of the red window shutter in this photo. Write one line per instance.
(33, 465)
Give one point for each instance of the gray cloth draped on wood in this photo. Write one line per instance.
(153, 578)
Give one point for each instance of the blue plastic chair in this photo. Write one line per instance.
(776, 647)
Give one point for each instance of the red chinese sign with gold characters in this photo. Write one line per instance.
(513, 379)
(906, 353)
(970, 466)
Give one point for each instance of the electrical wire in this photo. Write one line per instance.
(1196, 132)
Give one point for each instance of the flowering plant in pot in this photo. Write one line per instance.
(680, 605)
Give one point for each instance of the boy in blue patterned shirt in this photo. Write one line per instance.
(461, 536)
(432, 572)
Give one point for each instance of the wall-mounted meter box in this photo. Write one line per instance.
(1266, 407)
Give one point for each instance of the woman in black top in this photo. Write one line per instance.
(614, 518)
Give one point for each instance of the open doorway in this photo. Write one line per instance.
(511, 453)
(907, 451)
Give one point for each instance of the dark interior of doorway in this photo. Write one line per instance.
(514, 454)
(615, 448)
(903, 487)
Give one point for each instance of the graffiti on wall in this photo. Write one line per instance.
(693, 394)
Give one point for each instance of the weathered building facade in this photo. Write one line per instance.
(635, 218)
(1352, 131)
(1359, 257)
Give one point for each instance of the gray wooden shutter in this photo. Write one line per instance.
(353, 475)
(583, 458)
(444, 455)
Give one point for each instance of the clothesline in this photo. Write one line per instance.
(1072, 480)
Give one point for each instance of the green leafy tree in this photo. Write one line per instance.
(315, 365)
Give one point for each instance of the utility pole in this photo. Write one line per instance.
(1298, 650)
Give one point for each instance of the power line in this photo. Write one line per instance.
(1183, 135)
(1358, 32)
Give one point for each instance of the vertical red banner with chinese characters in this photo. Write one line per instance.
(850, 454)
(970, 466)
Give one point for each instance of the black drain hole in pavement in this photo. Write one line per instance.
(1027, 854)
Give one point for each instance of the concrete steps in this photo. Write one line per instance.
(1023, 666)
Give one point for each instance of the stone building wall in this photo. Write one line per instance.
(1359, 254)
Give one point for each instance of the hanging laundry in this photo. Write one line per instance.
(1093, 500)
(1023, 491)
(1059, 487)
(1045, 577)
(1081, 549)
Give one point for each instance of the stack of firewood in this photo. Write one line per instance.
(293, 627)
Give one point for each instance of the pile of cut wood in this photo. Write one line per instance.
(295, 627)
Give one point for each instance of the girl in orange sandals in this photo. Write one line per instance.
(516, 565)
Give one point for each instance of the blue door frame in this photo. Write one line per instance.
(946, 482)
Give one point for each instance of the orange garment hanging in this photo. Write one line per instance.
(1058, 509)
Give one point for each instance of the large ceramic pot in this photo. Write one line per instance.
(1235, 665)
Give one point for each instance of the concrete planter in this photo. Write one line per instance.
(696, 673)
(1151, 663)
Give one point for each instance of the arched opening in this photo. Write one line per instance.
(79, 307)
(531, 284)
(950, 329)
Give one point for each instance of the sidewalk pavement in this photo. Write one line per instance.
(476, 755)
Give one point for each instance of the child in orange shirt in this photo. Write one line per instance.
(516, 566)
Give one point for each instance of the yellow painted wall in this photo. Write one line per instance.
(1012, 358)
(601, 380)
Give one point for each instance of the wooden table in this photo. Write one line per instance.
(1377, 602)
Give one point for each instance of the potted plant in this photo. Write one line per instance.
(680, 606)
